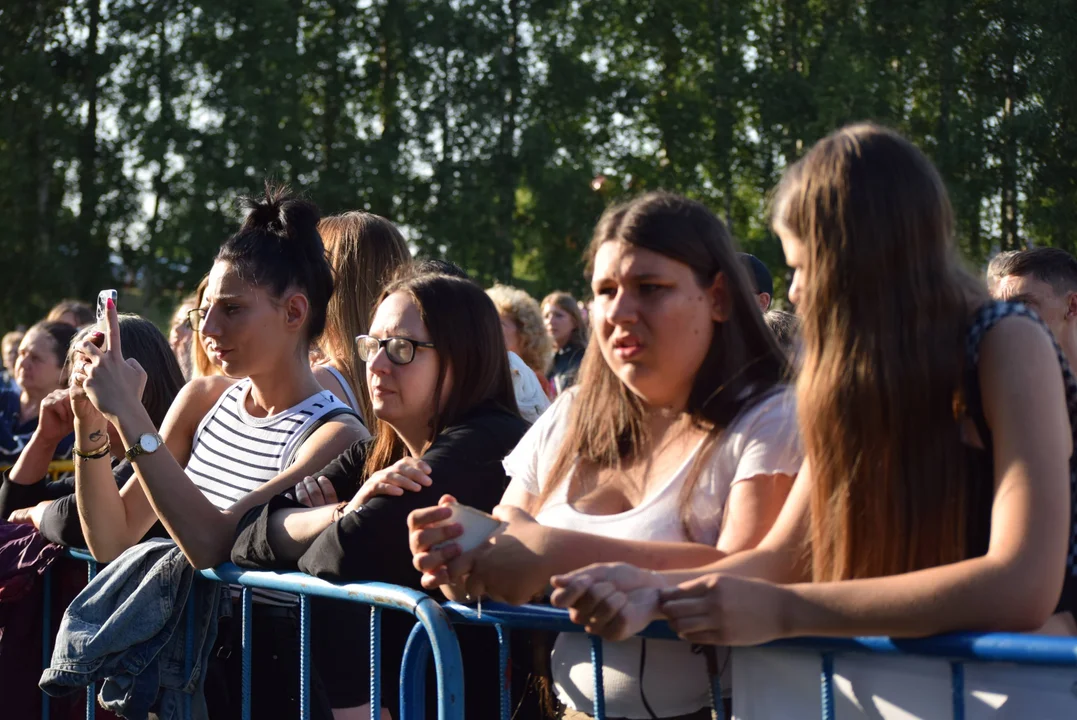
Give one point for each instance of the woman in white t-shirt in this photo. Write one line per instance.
(678, 444)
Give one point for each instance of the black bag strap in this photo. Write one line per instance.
(310, 429)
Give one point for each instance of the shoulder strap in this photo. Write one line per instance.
(312, 427)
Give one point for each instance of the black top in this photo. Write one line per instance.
(465, 461)
(981, 461)
(60, 521)
(566, 365)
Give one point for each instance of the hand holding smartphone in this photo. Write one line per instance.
(478, 526)
(102, 313)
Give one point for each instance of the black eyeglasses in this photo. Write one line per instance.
(194, 319)
(400, 350)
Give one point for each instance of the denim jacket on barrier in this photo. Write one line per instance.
(128, 628)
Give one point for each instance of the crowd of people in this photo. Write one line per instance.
(895, 458)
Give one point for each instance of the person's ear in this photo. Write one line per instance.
(721, 299)
(1071, 306)
(764, 301)
(296, 309)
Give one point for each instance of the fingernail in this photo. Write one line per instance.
(97, 334)
(110, 304)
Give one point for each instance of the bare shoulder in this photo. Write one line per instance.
(197, 397)
(343, 427)
(1016, 342)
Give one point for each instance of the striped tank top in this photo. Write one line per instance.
(234, 452)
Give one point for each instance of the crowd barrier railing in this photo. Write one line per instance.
(433, 637)
(432, 623)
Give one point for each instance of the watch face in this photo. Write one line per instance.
(149, 443)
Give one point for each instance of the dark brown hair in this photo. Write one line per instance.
(466, 333)
(84, 314)
(884, 307)
(364, 251)
(278, 247)
(607, 422)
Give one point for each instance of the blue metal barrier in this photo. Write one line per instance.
(433, 635)
(432, 626)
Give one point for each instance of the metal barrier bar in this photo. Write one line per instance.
(957, 689)
(1039, 650)
(375, 663)
(246, 600)
(596, 671)
(432, 626)
(304, 657)
(827, 682)
(413, 674)
(505, 686)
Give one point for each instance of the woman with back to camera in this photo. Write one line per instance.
(364, 251)
(445, 416)
(942, 510)
(28, 494)
(566, 328)
(225, 445)
(677, 445)
(39, 370)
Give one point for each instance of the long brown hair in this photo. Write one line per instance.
(884, 307)
(364, 251)
(607, 422)
(466, 333)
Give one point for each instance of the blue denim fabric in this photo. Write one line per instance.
(128, 628)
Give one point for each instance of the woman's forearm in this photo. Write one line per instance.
(776, 566)
(290, 532)
(102, 514)
(974, 595)
(203, 532)
(33, 464)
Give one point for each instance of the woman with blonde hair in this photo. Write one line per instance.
(364, 251)
(202, 365)
(521, 324)
(935, 494)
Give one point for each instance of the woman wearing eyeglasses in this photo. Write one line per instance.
(446, 416)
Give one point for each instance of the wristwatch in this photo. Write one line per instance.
(147, 443)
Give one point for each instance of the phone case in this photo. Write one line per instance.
(478, 526)
(102, 307)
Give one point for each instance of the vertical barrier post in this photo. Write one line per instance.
(91, 690)
(596, 665)
(375, 663)
(246, 597)
(957, 689)
(413, 674)
(828, 686)
(304, 657)
(46, 633)
(503, 649)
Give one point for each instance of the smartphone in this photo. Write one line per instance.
(102, 307)
(478, 526)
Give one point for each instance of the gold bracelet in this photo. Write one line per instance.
(95, 455)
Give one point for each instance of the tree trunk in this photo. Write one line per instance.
(507, 163)
(93, 247)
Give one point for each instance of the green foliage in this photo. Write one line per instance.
(128, 128)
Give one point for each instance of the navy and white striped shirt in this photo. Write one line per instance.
(234, 452)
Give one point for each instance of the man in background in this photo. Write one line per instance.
(761, 279)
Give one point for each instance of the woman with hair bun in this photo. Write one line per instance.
(226, 445)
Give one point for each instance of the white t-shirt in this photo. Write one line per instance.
(530, 398)
(762, 441)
